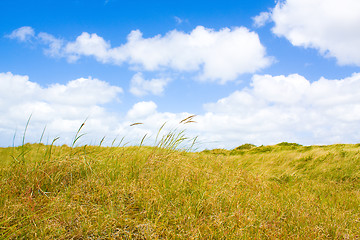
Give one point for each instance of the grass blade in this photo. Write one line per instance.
(27, 124)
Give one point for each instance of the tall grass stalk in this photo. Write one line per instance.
(26, 127)
(51, 147)
(78, 135)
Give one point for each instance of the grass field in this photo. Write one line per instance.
(285, 191)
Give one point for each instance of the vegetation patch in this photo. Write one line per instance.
(161, 192)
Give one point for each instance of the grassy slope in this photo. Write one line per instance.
(283, 191)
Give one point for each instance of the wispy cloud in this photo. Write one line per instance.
(55, 44)
(22, 34)
(178, 20)
(141, 87)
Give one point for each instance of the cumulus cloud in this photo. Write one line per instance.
(62, 108)
(141, 110)
(219, 55)
(281, 89)
(330, 26)
(88, 45)
(22, 34)
(287, 108)
(141, 87)
(211, 55)
(271, 109)
(82, 92)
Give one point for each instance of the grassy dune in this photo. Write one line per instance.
(284, 191)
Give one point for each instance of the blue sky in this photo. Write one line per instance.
(252, 71)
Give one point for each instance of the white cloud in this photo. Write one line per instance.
(82, 92)
(22, 34)
(209, 54)
(61, 107)
(88, 45)
(331, 26)
(55, 44)
(16, 88)
(261, 19)
(272, 109)
(141, 87)
(178, 20)
(141, 110)
(280, 89)
(287, 108)
(218, 55)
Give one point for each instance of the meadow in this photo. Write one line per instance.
(283, 191)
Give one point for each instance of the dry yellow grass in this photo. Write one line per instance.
(271, 192)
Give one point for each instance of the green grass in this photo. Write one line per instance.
(285, 191)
